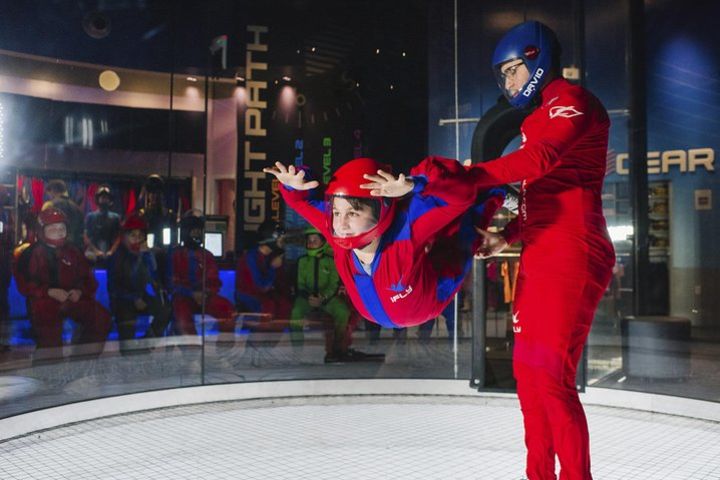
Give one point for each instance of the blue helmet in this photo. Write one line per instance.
(536, 46)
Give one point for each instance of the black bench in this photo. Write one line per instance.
(656, 347)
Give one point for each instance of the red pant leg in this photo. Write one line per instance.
(46, 322)
(279, 308)
(223, 311)
(94, 321)
(92, 316)
(538, 439)
(183, 309)
(552, 315)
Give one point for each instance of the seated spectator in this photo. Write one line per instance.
(261, 285)
(189, 263)
(58, 281)
(132, 274)
(317, 299)
(102, 227)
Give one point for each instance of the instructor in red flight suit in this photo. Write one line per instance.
(403, 245)
(58, 281)
(567, 257)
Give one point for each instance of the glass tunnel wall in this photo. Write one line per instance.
(673, 348)
(169, 111)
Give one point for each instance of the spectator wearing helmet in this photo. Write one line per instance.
(195, 281)
(132, 275)
(58, 282)
(60, 199)
(402, 244)
(567, 256)
(102, 227)
(261, 282)
(317, 297)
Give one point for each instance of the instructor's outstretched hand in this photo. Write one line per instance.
(291, 177)
(385, 184)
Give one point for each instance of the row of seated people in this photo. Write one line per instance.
(58, 283)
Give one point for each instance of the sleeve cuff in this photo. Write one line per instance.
(419, 182)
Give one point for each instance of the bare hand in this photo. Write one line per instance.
(291, 177)
(198, 297)
(276, 262)
(74, 295)
(315, 301)
(385, 184)
(140, 304)
(492, 244)
(58, 294)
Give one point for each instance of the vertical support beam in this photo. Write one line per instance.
(171, 118)
(478, 363)
(578, 7)
(637, 148)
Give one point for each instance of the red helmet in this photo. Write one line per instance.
(134, 222)
(346, 183)
(51, 216)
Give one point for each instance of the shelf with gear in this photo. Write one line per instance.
(659, 215)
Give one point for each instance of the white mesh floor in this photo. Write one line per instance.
(351, 438)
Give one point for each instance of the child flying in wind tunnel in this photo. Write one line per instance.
(402, 244)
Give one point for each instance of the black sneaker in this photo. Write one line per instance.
(333, 359)
(353, 355)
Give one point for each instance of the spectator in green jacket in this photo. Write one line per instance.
(317, 299)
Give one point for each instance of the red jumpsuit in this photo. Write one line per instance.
(187, 277)
(409, 282)
(565, 267)
(260, 288)
(41, 268)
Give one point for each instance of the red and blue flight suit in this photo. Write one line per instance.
(427, 239)
(134, 287)
(261, 283)
(567, 256)
(189, 263)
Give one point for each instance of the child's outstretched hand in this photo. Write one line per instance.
(291, 177)
(384, 184)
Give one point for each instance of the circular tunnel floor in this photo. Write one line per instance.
(378, 437)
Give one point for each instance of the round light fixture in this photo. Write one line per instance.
(109, 80)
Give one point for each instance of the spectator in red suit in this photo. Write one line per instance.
(195, 280)
(58, 281)
(261, 283)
